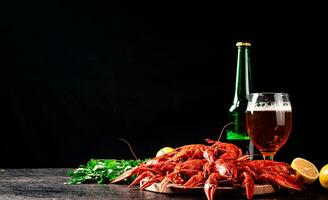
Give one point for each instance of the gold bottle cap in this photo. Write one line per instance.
(245, 44)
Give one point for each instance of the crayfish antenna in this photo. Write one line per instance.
(244, 158)
(130, 147)
(209, 141)
(223, 129)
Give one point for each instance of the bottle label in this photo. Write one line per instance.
(236, 136)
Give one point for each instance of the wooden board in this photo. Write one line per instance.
(176, 189)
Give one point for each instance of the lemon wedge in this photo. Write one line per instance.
(323, 176)
(306, 172)
(164, 150)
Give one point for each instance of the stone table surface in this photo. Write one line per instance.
(48, 183)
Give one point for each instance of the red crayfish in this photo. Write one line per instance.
(211, 166)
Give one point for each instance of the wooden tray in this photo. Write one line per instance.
(177, 189)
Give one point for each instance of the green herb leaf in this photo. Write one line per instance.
(102, 171)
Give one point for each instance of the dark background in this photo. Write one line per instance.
(76, 77)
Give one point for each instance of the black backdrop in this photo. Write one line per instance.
(76, 77)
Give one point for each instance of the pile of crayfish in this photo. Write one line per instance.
(212, 165)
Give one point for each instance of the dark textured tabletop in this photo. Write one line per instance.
(49, 184)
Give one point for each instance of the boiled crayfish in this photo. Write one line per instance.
(212, 165)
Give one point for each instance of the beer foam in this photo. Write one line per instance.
(269, 107)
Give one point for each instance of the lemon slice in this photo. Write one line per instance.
(323, 176)
(164, 150)
(306, 172)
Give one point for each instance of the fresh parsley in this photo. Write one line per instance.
(101, 171)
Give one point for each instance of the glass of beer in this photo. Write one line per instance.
(268, 121)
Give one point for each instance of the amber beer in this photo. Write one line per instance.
(269, 127)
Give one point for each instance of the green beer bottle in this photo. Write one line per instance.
(236, 133)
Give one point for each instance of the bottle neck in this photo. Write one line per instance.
(243, 74)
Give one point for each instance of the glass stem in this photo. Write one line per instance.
(268, 157)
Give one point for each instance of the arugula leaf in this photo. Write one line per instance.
(102, 171)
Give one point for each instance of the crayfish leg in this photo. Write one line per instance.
(126, 174)
(195, 180)
(211, 184)
(140, 177)
(281, 180)
(249, 185)
(152, 180)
